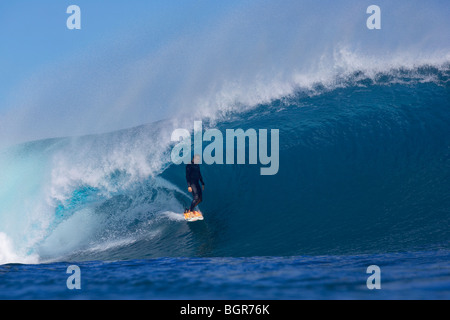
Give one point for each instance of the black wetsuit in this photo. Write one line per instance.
(193, 176)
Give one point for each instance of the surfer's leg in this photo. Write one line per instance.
(197, 194)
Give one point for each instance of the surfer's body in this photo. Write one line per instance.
(194, 178)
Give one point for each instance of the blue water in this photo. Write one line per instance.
(420, 275)
(364, 179)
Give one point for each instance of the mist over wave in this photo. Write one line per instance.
(252, 54)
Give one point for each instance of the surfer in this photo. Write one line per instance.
(193, 176)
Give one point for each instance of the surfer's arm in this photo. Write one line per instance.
(187, 176)
(201, 179)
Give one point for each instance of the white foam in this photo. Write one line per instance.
(173, 216)
(9, 255)
(111, 245)
(70, 235)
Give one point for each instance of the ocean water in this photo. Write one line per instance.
(363, 180)
(418, 275)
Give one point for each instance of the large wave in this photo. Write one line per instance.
(364, 167)
(250, 53)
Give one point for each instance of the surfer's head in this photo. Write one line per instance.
(196, 159)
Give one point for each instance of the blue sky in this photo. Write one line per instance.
(33, 33)
(139, 61)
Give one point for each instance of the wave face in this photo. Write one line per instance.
(364, 168)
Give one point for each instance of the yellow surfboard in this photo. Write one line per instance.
(193, 216)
